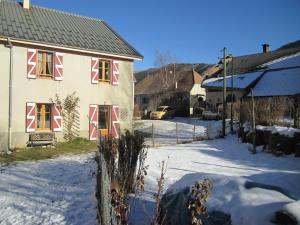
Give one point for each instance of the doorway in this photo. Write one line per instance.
(104, 120)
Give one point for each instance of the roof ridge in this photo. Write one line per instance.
(274, 51)
(54, 10)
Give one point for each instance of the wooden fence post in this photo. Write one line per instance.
(153, 143)
(194, 131)
(177, 133)
(253, 122)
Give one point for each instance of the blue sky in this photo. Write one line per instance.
(193, 31)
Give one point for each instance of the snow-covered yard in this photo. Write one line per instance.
(166, 132)
(62, 190)
(56, 191)
(229, 164)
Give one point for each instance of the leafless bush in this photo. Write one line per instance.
(235, 109)
(158, 219)
(136, 111)
(125, 159)
(267, 110)
(199, 196)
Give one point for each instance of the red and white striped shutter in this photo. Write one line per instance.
(93, 125)
(30, 117)
(115, 121)
(31, 63)
(56, 118)
(58, 66)
(115, 73)
(95, 70)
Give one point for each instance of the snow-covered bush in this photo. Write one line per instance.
(276, 139)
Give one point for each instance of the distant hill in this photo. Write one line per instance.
(295, 44)
(198, 67)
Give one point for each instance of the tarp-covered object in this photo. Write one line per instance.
(174, 211)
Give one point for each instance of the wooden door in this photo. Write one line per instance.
(104, 120)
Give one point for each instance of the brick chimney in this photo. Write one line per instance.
(26, 4)
(266, 48)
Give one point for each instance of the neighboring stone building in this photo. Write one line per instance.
(178, 85)
(46, 52)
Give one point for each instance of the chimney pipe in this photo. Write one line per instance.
(266, 48)
(26, 4)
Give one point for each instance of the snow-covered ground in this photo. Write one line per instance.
(56, 191)
(229, 164)
(62, 190)
(165, 130)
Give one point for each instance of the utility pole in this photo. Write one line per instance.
(224, 91)
(231, 107)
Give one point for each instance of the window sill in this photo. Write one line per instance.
(42, 131)
(47, 77)
(104, 81)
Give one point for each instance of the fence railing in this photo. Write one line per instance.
(176, 133)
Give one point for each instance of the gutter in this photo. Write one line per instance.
(10, 46)
(40, 44)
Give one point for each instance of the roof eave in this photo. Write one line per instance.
(70, 48)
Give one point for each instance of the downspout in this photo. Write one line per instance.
(10, 46)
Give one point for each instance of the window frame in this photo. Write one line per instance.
(43, 116)
(101, 77)
(44, 62)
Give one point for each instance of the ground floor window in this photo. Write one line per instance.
(43, 117)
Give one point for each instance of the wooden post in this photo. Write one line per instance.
(296, 111)
(153, 143)
(177, 133)
(224, 93)
(194, 130)
(253, 122)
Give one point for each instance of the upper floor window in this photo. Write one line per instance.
(45, 64)
(104, 70)
(43, 116)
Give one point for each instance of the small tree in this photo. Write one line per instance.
(167, 67)
(70, 114)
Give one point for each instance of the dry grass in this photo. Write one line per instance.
(77, 146)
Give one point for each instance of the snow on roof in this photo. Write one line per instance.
(240, 81)
(278, 83)
(284, 62)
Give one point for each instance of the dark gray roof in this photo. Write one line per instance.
(284, 82)
(249, 63)
(62, 29)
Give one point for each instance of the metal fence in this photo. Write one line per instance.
(177, 133)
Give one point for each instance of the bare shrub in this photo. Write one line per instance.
(158, 218)
(267, 110)
(70, 115)
(125, 163)
(199, 196)
(235, 110)
(136, 111)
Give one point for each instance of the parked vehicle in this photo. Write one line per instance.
(209, 115)
(162, 112)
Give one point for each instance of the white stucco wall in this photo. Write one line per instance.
(4, 71)
(77, 77)
(198, 90)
